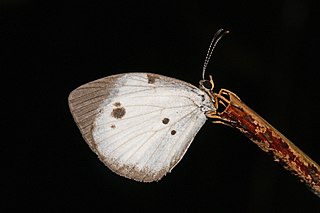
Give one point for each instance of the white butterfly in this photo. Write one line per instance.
(141, 124)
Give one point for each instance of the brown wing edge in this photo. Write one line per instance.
(84, 104)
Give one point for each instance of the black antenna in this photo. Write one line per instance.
(217, 36)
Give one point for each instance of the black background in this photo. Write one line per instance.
(270, 59)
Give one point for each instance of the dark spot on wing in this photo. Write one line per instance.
(152, 78)
(118, 112)
(202, 96)
(117, 104)
(165, 120)
(113, 126)
(173, 132)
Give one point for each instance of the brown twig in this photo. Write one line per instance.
(236, 114)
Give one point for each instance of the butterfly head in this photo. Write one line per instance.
(207, 86)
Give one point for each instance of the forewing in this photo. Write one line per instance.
(139, 124)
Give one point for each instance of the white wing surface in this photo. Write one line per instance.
(139, 124)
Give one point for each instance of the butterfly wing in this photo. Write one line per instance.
(139, 124)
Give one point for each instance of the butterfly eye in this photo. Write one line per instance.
(206, 84)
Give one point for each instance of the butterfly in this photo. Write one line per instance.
(141, 124)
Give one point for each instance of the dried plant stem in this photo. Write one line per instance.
(236, 114)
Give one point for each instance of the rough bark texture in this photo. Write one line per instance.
(240, 116)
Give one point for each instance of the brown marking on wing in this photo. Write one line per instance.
(152, 78)
(118, 112)
(165, 120)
